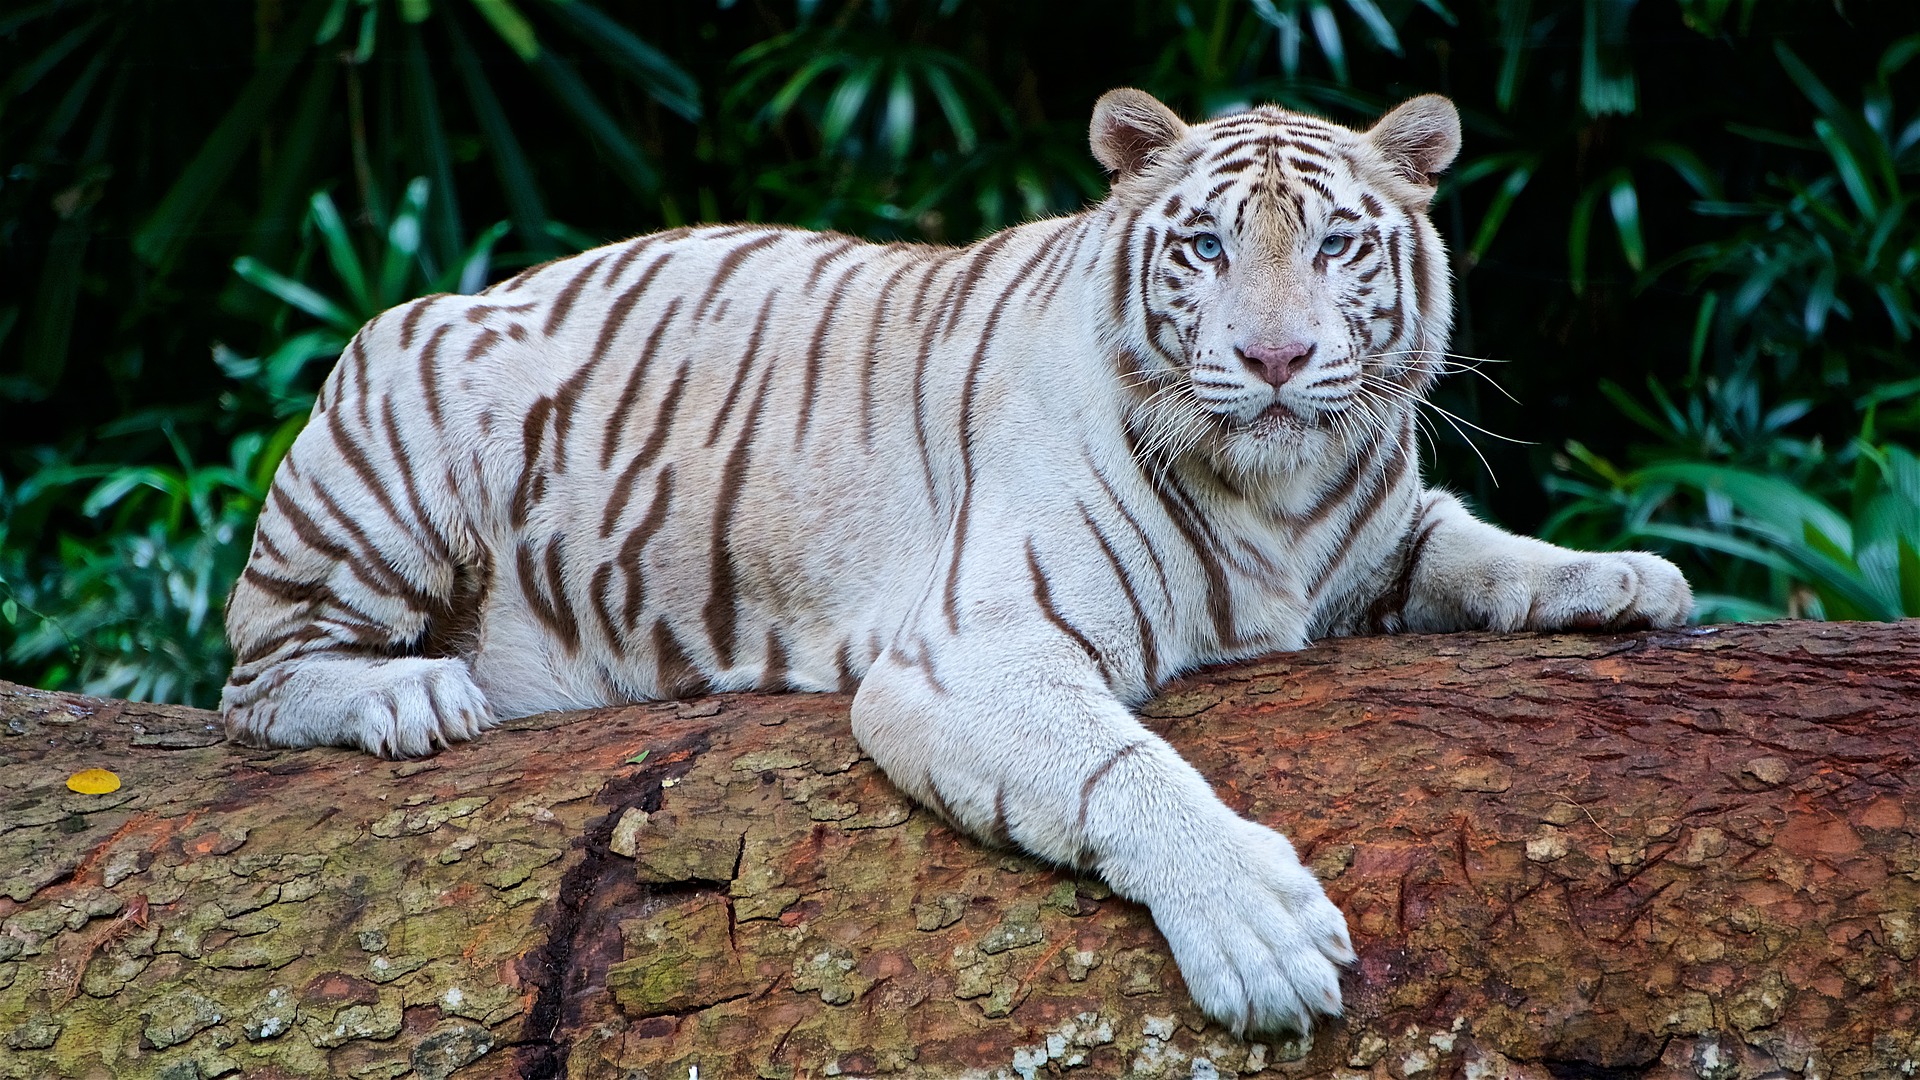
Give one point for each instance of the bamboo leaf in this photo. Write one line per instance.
(1687, 164)
(1607, 84)
(431, 150)
(117, 486)
(666, 81)
(403, 243)
(1809, 83)
(1377, 25)
(593, 117)
(898, 129)
(1515, 16)
(1852, 176)
(524, 205)
(1624, 201)
(26, 75)
(160, 238)
(295, 293)
(844, 107)
(783, 101)
(470, 276)
(341, 252)
(953, 107)
(1771, 501)
(334, 21)
(1440, 9)
(1497, 209)
(1579, 230)
(513, 27)
(1326, 30)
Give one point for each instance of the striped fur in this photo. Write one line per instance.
(1006, 490)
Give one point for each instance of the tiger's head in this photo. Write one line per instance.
(1277, 286)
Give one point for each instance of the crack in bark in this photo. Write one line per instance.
(553, 967)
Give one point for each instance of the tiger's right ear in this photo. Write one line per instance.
(1129, 127)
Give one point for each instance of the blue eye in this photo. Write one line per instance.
(1335, 245)
(1207, 246)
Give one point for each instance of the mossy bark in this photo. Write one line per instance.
(1685, 854)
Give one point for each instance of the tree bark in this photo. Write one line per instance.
(1680, 854)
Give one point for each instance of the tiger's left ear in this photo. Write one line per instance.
(1129, 127)
(1419, 139)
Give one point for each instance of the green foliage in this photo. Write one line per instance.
(131, 609)
(1643, 200)
(1813, 293)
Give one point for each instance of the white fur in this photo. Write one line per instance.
(1007, 489)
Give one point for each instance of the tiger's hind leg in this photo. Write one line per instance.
(363, 590)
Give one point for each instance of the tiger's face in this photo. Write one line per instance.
(1281, 282)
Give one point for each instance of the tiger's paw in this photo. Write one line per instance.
(401, 708)
(1256, 938)
(1627, 590)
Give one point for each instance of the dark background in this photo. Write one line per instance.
(1683, 232)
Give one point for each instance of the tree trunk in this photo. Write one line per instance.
(1678, 855)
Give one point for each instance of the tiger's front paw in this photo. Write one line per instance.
(1627, 590)
(401, 708)
(1255, 936)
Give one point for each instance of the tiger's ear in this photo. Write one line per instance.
(1419, 139)
(1129, 127)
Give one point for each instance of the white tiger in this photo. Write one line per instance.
(1005, 489)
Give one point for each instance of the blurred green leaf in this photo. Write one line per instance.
(1624, 201)
(295, 294)
(512, 26)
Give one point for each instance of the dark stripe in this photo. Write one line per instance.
(663, 416)
(1193, 529)
(740, 369)
(1386, 615)
(871, 357)
(414, 314)
(1123, 270)
(1389, 480)
(674, 671)
(635, 546)
(521, 278)
(1043, 599)
(533, 432)
(718, 614)
(631, 392)
(729, 264)
(563, 303)
(999, 832)
(1099, 774)
(974, 367)
(1133, 522)
(773, 673)
(640, 244)
(549, 604)
(430, 373)
(974, 271)
(481, 343)
(1142, 624)
(821, 262)
(810, 383)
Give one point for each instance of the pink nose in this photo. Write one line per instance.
(1276, 363)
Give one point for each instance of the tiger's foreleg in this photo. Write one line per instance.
(1010, 732)
(1464, 574)
(363, 587)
